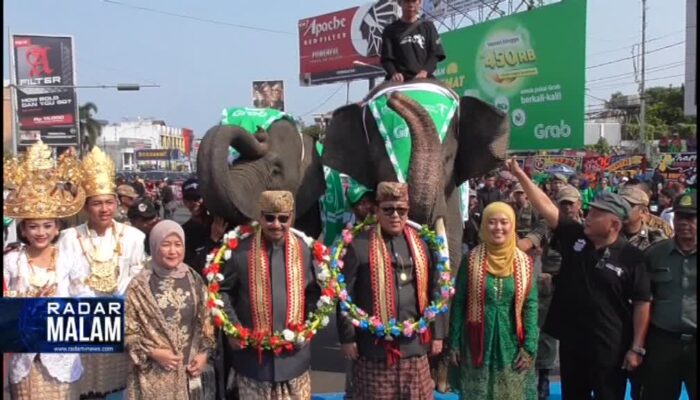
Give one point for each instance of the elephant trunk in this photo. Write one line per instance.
(425, 169)
(219, 186)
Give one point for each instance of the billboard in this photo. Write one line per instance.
(51, 113)
(157, 155)
(530, 65)
(268, 94)
(330, 44)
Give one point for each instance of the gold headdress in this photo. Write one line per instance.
(38, 188)
(99, 172)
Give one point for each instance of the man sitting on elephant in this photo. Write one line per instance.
(396, 369)
(410, 47)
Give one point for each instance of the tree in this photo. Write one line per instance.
(90, 128)
(313, 131)
(602, 147)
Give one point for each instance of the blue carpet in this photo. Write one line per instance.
(555, 394)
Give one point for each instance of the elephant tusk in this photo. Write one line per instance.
(440, 230)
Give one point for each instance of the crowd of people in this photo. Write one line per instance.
(602, 274)
(610, 289)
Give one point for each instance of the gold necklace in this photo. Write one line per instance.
(35, 279)
(104, 274)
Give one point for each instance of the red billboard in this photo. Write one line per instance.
(43, 74)
(333, 47)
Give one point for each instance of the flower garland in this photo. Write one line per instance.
(293, 336)
(372, 323)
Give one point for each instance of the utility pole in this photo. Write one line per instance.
(642, 96)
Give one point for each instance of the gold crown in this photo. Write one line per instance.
(38, 188)
(99, 174)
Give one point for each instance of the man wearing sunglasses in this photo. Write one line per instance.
(269, 284)
(388, 272)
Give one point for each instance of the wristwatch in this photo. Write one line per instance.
(639, 350)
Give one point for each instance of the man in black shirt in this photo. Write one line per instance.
(489, 193)
(411, 48)
(601, 304)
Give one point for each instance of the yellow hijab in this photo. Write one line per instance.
(499, 257)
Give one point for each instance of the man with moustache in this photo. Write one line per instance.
(397, 369)
(671, 355)
(111, 253)
(600, 308)
(270, 284)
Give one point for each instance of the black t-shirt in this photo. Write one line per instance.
(592, 302)
(197, 242)
(410, 51)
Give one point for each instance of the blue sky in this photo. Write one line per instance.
(203, 67)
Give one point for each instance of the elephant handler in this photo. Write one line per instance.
(268, 301)
(601, 304)
(411, 47)
(390, 251)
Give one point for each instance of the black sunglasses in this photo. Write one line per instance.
(270, 218)
(389, 211)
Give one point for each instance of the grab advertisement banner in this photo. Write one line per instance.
(344, 45)
(531, 65)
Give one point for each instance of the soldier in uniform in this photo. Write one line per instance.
(526, 216)
(636, 230)
(569, 202)
(557, 182)
(127, 197)
(671, 342)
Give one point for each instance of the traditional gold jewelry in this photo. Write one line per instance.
(38, 280)
(104, 273)
(40, 189)
(99, 173)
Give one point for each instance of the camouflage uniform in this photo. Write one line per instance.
(526, 219)
(646, 237)
(657, 223)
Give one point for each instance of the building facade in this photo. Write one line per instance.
(127, 141)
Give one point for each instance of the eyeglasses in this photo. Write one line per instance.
(389, 211)
(270, 218)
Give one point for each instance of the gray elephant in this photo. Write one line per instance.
(279, 158)
(475, 141)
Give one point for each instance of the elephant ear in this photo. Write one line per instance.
(345, 147)
(484, 133)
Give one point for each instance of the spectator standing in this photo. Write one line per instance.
(600, 308)
(526, 216)
(168, 199)
(489, 193)
(671, 357)
(666, 198)
(143, 216)
(636, 230)
(126, 196)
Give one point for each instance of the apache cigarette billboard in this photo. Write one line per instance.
(45, 61)
(530, 65)
(330, 44)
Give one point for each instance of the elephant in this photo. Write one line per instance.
(476, 141)
(280, 158)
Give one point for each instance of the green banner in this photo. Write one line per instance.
(530, 65)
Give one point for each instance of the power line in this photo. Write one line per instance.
(658, 68)
(631, 57)
(207, 20)
(637, 43)
(324, 101)
(616, 84)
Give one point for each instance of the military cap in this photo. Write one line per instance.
(613, 204)
(686, 203)
(142, 208)
(634, 195)
(568, 193)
